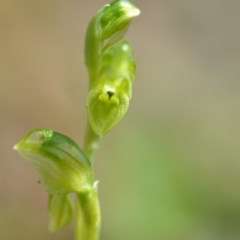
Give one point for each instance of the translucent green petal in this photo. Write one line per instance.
(60, 211)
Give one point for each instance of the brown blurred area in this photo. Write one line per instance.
(171, 169)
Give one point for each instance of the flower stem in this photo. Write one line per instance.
(88, 216)
(91, 143)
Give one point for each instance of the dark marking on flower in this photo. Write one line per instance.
(110, 94)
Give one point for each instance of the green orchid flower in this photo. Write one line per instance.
(109, 95)
(60, 163)
(62, 168)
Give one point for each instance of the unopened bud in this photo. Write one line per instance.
(106, 28)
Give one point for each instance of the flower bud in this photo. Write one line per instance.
(116, 17)
(107, 27)
(61, 165)
(109, 96)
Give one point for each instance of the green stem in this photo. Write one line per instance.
(91, 143)
(88, 216)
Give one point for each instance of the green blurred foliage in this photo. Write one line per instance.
(171, 169)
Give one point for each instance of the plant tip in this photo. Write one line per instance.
(15, 147)
(132, 10)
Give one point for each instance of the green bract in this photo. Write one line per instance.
(60, 163)
(109, 96)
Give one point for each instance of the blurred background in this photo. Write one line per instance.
(171, 169)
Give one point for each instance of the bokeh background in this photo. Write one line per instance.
(171, 169)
